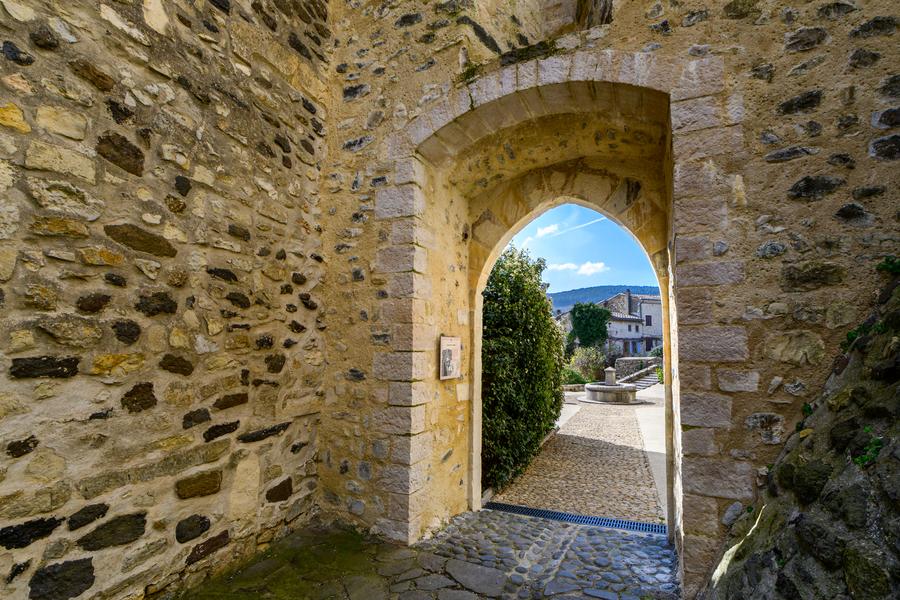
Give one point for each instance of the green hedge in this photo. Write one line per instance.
(572, 377)
(522, 365)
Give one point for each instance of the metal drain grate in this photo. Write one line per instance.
(579, 519)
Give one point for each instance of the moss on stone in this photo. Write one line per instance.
(305, 564)
(541, 49)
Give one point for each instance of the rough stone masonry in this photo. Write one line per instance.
(232, 230)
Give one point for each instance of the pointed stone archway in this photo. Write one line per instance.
(649, 143)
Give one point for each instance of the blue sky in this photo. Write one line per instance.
(583, 248)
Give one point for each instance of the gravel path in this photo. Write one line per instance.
(594, 465)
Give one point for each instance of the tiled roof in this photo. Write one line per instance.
(623, 317)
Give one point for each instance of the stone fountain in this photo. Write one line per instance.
(610, 391)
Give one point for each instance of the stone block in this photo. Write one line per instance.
(710, 273)
(701, 442)
(705, 143)
(407, 506)
(694, 377)
(440, 115)
(700, 179)
(698, 113)
(718, 478)
(201, 484)
(526, 75)
(396, 259)
(398, 145)
(584, 65)
(11, 116)
(688, 248)
(402, 310)
(554, 69)
(46, 157)
(399, 201)
(702, 77)
(413, 337)
(705, 410)
(61, 121)
(700, 215)
(409, 285)
(401, 366)
(713, 344)
(409, 170)
(403, 479)
(400, 420)
(694, 306)
(507, 80)
(411, 449)
(797, 347)
(155, 16)
(700, 552)
(700, 514)
(737, 381)
(411, 231)
(408, 393)
(419, 130)
(485, 89)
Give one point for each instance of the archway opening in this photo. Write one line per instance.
(603, 455)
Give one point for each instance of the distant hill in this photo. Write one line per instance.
(566, 300)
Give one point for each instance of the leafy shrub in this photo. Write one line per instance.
(589, 362)
(870, 452)
(571, 345)
(572, 377)
(590, 323)
(890, 265)
(522, 367)
(657, 352)
(660, 375)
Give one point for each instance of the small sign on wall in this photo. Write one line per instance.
(451, 357)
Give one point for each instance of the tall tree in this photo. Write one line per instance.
(590, 323)
(522, 365)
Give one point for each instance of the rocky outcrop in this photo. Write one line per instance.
(828, 523)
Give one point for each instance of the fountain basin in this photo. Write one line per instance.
(615, 393)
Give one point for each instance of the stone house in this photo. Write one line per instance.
(636, 324)
(232, 233)
(635, 327)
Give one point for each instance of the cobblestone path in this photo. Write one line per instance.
(593, 466)
(478, 555)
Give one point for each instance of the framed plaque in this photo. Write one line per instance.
(451, 357)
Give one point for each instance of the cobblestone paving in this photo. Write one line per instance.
(478, 555)
(593, 466)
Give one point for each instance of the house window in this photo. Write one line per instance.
(637, 327)
(649, 321)
(629, 328)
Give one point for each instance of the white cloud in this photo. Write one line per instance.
(562, 267)
(527, 241)
(592, 268)
(548, 230)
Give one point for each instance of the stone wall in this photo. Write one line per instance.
(198, 348)
(828, 524)
(628, 365)
(784, 145)
(160, 264)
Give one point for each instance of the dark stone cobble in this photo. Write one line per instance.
(488, 554)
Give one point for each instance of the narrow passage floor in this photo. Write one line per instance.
(599, 463)
(488, 554)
